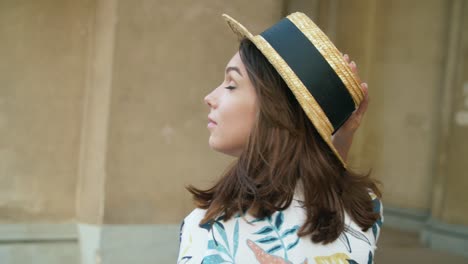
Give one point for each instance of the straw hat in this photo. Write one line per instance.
(312, 67)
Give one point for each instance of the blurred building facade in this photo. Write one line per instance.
(103, 121)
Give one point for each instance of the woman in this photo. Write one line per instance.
(289, 197)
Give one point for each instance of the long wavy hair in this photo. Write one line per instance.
(283, 149)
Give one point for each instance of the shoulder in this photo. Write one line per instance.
(196, 215)
(192, 237)
(192, 221)
(190, 225)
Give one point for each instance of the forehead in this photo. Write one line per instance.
(236, 61)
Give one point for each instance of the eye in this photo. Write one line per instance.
(230, 87)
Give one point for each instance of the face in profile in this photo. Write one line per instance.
(233, 109)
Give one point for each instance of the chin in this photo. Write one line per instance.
(227, 150)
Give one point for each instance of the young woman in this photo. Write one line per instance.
(289, 197)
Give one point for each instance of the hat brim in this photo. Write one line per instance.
(308, 103)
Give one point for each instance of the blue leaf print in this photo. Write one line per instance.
(207, 226)
(374, 230)
(211, 244)
(279, 220)
(276, 236)
(213, 259)
(236, 238)
(184, 260)
(256, 220)
(290, 231)
(376, 205)
(267, 240)
(274, 249)
(180, 231)
(376, 226)
(218, 247)
(292, 245)
(220, 228)
(379, 222)
(356, 234)
(219, 224)
(344, 239)
(350, 261)
(264, 231)
(369, 261)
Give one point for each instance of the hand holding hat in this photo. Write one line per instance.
(343, 138)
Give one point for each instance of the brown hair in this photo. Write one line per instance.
(284, 148)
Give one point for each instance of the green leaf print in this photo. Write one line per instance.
(290, 231)
(377, 207)
(218, 246)
(236, 238)
(274, 249)
(375, 230)
(220, 228)
(267, 240)
(264, 231)
(184, 260)
(213, 259)
(293, 244)
(276, 236)
(371, 258)
(279, 220)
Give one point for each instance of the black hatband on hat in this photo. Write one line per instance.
(312, 69)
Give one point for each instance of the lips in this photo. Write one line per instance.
(211, 122)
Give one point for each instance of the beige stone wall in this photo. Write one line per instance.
(450, 187)
(401, 62)
(410, 46)
(42, 73)
(414, 56)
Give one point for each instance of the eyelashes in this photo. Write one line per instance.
(230, 87)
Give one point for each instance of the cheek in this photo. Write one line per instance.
(233, 133)
(240, 127)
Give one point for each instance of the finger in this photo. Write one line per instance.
(346, 58)
(365, 103)
(354, 67)
(365, 88)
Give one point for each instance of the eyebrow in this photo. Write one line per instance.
(228, 69)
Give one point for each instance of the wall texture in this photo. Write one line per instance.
(42, 76)
(451, 181)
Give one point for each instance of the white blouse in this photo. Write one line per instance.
(273, 239)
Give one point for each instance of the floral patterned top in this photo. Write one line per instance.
(273, 239)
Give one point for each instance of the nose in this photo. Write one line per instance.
(209, 99)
